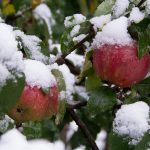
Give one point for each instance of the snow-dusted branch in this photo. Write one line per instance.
(141, 3)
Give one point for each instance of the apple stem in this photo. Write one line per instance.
(83, 128)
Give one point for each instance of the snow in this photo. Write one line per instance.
(76, 59)
(72, 128)
(69, 79)
(120, 7)
(32, 43)
(81, 90)
(148, 6)
(132, 121)
(100, 21)
(79, 38)
(8, 44)
(1, 20)
(75, 30)
(5, 121)
(53, 46)
(114, 32)
(82, 147)
(4, 74)
(14, 140)
(101, 139)
(11, 60)
(74, 20)
(136, 15)
(38, 74)
(43, 12)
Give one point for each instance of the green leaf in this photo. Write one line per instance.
(118, 143)
(10, 93)
(143, 43)
(61, 112)
(32, 129)
(66, 42)
(87, 67)
(92, 81)
(102, 99)
(60, 79)
(144, 144)
(45, 129)
(143, 87)
(141, 33)
(105, 8)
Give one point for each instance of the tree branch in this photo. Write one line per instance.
(90, 35)
(141, 3)
(77, 105)
(11, 19)
(83, 128)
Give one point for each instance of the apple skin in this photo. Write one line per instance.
(34, 104)
(120, 65)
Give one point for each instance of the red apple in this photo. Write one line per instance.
(34, 104)
(120, 64)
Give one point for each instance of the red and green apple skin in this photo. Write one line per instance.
(120, 65)
(34, 104)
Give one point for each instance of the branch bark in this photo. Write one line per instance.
(141, 3)
(77, 105)
(83, 128)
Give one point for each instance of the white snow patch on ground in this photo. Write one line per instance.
(114, 32)
(132, 121)
(120, 7)
(136, 15)
(38, 74)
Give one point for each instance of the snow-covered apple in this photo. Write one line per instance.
(119, 64)
(34, 104)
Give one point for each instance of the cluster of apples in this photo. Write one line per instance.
(118, 64)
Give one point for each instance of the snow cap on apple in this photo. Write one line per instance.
(34, 104)
(115, 57)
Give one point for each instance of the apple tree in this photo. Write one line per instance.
(75, 73)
